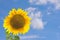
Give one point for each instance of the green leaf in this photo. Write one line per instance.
(16, 38)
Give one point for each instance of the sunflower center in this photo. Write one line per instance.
(17, 21)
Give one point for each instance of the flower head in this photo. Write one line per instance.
(17, 21)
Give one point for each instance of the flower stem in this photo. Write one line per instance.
(16, 37)
(8, 36)
(12, 37)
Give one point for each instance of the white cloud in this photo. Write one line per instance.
(36, 16)
(49, 10)
(31, 37)
(37, 23)
(41, 2)
(38, 2)
(31, 9)
(48, 13)
(56, 3)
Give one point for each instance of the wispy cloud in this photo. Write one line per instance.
(41, 2)
(29, 37)
(35, 14)
(32, 37)
(56, 3)
(38, 2)
(49, 11)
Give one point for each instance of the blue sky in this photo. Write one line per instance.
(45, 14)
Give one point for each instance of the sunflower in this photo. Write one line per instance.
(17, 22)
